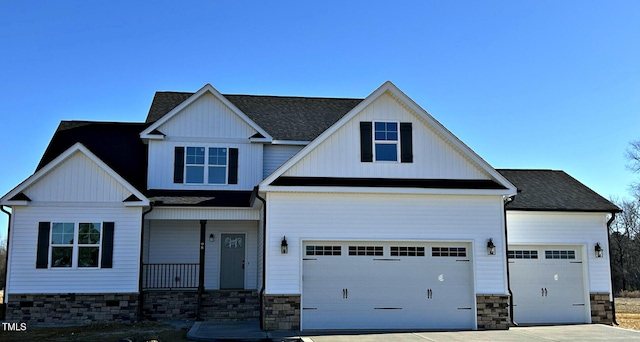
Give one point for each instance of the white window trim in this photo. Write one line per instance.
(75, 247)
(387, 142)
(206, 166)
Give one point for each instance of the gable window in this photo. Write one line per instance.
(386, 141)
(205, 165)
(73, 245)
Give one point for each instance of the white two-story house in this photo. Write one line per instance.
(304, 213)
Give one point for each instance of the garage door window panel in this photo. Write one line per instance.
(323, 250)
(366, 251)
(521, 254)
(560, 254)
(448, 251)
(407, 251)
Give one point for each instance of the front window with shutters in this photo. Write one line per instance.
(75, 245)
(206, 165)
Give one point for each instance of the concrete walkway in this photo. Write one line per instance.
(250, 331)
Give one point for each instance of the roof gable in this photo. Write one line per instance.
(152, 131)
(54, 178)
(391, 99)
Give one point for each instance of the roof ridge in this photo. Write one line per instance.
(298, 97)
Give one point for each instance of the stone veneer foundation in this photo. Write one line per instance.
(493, 312)
(601, 308)
(281, 312)
(217, 305)
(72, 308)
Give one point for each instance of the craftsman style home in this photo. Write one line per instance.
(303, 213)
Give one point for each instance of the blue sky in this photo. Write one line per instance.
(526, 84)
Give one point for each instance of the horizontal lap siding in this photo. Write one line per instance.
(276, 155)
(161, 161)
(382, 217)
(123, 277)
(433, 157)
(556, 228)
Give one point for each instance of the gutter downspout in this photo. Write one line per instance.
(506, 251)
(140, 294)
(3, 315)
(613, 297)
(264, 254)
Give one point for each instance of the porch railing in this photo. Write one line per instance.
(169, 276)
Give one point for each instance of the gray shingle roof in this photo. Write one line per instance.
(283, 117)
(551, 190)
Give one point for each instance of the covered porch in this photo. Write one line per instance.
(201, 263)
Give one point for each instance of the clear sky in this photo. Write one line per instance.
(526, 84)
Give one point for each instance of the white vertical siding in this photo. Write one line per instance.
(205, 118)
(161, 158)
(173, 241)
(260, 261)
(77, 179)
(123, 277)
(300, 216)
(276, 155)
(559, 228)
(433, 157)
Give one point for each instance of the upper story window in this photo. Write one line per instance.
(386, 141)
(205, 165)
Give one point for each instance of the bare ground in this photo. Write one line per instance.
(628, 313)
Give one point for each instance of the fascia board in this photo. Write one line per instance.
(77, 147)
(146, 134)
(421, 191)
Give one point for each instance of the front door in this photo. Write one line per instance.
(232, 261)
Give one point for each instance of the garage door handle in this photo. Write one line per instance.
(544, 292)
(345, 293)
(429, 294)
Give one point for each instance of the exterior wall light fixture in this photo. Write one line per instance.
(284, 247)
(491, 248)
(598, 250)
(210, 237)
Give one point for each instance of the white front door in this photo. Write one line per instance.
(547, 283)
(387, 285)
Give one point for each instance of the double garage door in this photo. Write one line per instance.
(548, 284)
(387, 285)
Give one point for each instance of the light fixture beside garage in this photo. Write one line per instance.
(491, 248)
(210, 237)
(284, 247)
(598, 250)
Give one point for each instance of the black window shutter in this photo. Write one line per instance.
(366, 142)
(406, 143)
(42, 256)
(233, 166)
(178, 165)
(107, 245)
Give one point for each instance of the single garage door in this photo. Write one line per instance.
(387, 285)
(548, 284)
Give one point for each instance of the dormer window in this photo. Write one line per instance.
(386, 141)
(205, 165)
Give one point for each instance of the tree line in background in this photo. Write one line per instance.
(625, 232)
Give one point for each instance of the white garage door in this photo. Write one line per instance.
(386, 285)
(548, 284)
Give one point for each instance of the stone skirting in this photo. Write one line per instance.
(217, 305)
(72, 308)
(281, 312)
(601, 309)
(493, 312)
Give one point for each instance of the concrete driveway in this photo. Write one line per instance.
(586, 332)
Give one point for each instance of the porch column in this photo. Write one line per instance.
(203, 228)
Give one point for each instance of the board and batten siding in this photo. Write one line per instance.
(123, 277)
(161, 159)
(175, 242)
(276, 155)
(564, 228)
(77, 179)
(388, 217)
(433, 157)
(207, 117)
